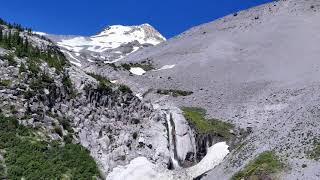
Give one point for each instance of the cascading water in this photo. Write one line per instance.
(182, 146)
(172, 141)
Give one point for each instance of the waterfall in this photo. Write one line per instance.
(182, 146)
(172, 141)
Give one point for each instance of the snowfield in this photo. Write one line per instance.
(137, 71)
(142, 169)
(111, 38)
(214, 157)
(110, 45)
(138, 169)
(166, 67)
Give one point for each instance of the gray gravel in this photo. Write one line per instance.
(260, 69)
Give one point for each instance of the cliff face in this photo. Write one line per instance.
(69, 105)
(117, 127)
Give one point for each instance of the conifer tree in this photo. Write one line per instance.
(1, 35)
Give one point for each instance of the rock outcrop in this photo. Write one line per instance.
(70, 105)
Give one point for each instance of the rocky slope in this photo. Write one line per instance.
(257, 69)
(63, 103)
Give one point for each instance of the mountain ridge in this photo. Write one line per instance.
(109, 45)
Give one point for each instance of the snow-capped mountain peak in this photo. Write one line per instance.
(111, 44)
(118, 35)
(144, 34)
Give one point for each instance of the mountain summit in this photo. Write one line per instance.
(111, 44)
(144, 34)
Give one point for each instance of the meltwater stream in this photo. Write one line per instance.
(172, 141)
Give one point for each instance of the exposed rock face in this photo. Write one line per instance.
(204, 142)
(114, 126)
(181, 138)
(118, 127)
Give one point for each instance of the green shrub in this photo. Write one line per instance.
(46, 78)
(29, 158)
(126, 66)
(5, 83)
(315, 153)
(10, 59)
(34, 67)
(66, 81)
(37, 84)
(104, 82)
(68, 138)
(135, 135)
(125, 89)
(22, 68)
(66, 124)
(29, 94)
(196, 116)
(2, 171)
(58, 130)
(264, 164)
(115, 67)
(145, 65)
(174, 93)
(13, 109)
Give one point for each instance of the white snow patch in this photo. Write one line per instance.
(166, 67)
(139, 96)
(46, 91)
(40, 33)
(114, 81)
(135, 49)
(71, 56)
(76, 63)
(138, 169)
(107, 62)
(77, 41)
(90, 60)
(71, 48)
(142, 169)
(214, 157)
(137, 71)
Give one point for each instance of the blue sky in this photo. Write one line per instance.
(87, 17)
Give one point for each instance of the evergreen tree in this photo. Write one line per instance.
(9, 39)
(0, 35)
(2, 22)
